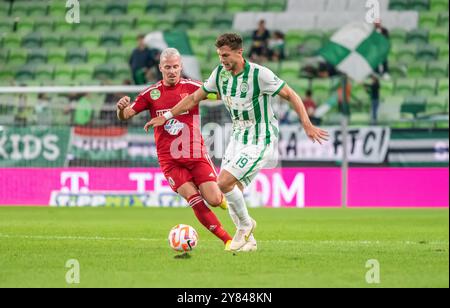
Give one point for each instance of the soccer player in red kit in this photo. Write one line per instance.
(180, 146)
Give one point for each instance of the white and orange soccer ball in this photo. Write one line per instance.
(183, 238)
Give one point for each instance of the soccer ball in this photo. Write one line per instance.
(183, 238)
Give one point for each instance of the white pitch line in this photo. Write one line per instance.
(309, 242)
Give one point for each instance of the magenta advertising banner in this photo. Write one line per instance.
(288, 187)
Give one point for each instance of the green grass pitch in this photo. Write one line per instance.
(118, 247)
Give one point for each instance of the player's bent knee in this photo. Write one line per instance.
(215, 200)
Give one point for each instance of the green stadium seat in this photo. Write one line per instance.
(235, 6)
(110, 39)
(438, 69)
(413, 105)
(60, 25)
(426, 87)
(294, 37)
(299, 85)
(443, 52)
(63, 73)
(118, 55)
(51, 40)
(204, 21)
(69, 40)
(417, 36)
(439, 36)
(419, 5)
(6, 26)
(417, 70)
(398, 36)
(43, 25)
(86, 25)
(254, 5)
(25, 25)
(407, 55)
(116, 8)
(399, 5)
(76, 56)
(95, 8)
(443, 87)
(276, 67)
(439, 5)
(90, 39)
(57, 55)
(184, 22)
(123, 72)
(164, 22)
(405, 87)
(275, 5)
(215, 6)
(20, 8)
(427, 53)
(428, 20)
(57, 9)
(82, 72)
(145, 25)
(97, 56)
(44, 72)
(443, 19)
(4, 11)
(290, 70)
(7, 73)
(12, 40)
(25, 73)
(156, 6)
(137, 8)
(4, 55)
(123, 23)
(129, 40)
(37, 56)
(360, 118)
(17, 57)
(104, 72)
(102, 23)
(321, 87)
(223, 21)
(398, 70)
(195, 7)
(437, 104)
(174, 6)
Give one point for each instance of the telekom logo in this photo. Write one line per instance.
(74, 182)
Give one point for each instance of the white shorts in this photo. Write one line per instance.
(244, 161)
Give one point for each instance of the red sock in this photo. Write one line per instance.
(208, 218)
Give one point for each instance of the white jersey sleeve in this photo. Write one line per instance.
(210, 85)
(269, 82)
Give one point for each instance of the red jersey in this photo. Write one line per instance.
(179, 137)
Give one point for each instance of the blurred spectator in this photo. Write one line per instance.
(42, 109)
(311, 107)
(143, 62)
(83, 111)
(344, 96)
(276, 46)
(259, 47)
(383, 69)
(23, 110)
(373, 89)
(326, 70)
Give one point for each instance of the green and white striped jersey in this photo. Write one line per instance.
(248, 97)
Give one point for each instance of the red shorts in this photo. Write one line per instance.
(182, 171)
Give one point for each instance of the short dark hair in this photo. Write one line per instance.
(309, 92)
(140, 36)
(232, 40)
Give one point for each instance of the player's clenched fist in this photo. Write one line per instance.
(123, 103)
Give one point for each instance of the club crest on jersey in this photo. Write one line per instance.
(155, 94)
(244, 87)
(173, 127)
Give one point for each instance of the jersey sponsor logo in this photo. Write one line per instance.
(244, 87)
(173, 127)
(155, 94)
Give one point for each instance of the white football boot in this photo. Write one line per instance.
(250, 245)
(242, 236)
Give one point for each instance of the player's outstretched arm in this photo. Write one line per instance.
(314, 133)
(124, 110)
(184, 105)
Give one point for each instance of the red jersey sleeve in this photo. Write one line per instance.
(141, 102)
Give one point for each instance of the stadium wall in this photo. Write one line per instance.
(287, 187)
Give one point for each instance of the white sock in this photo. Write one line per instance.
(237, 203)
(233, 216)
